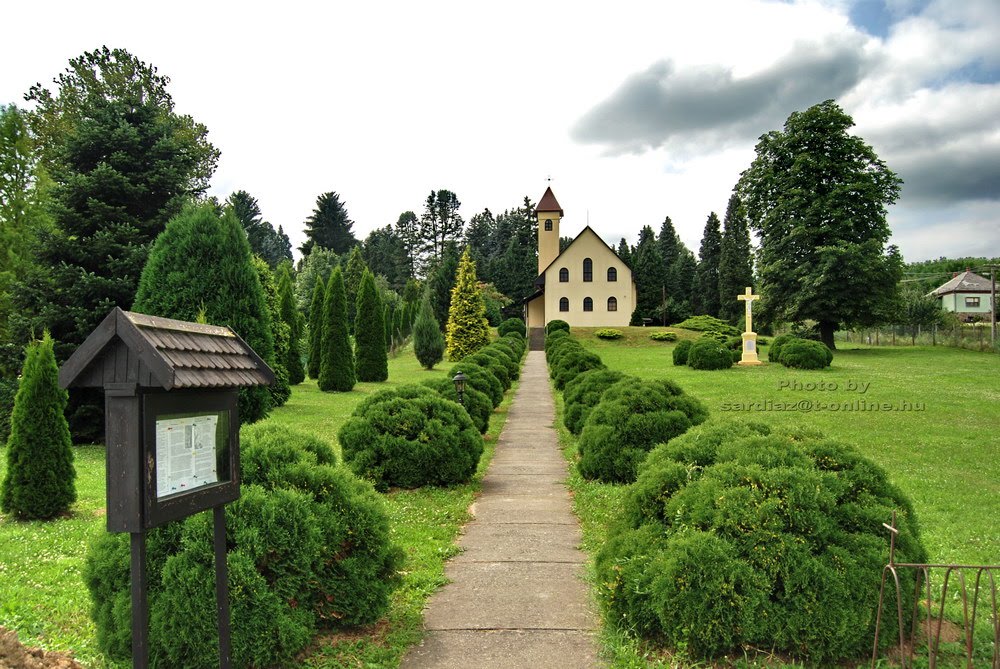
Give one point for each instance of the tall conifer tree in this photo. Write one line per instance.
(329, 227)
(353, 273)
(468, 330)
(372, 363)
(316, 328)
(706, 295)
(289, 314)
(649, 273)
(735, 261)
(428, 342)
(336, 370)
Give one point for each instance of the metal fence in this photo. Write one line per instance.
(975, 337)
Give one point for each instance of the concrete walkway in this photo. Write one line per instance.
(517, 597)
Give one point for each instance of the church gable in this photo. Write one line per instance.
(569, 266)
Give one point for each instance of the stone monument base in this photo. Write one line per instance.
(749, 350)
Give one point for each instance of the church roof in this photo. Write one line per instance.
(540, 280)
(965, 282)
(548, 202)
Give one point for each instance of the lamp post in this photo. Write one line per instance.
(459, 382)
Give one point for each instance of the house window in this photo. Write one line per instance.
(564, 304)
(612, 274)
(588, 304)
(563, 275)
(588, 269)
(972, 302)
(548, 225)
(612, 304)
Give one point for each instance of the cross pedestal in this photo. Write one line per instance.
(749, 337)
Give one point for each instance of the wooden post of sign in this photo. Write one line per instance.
(140, 607)
(222, 587)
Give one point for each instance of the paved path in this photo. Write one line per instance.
(517, 597)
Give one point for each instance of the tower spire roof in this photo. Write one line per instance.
(548, 202)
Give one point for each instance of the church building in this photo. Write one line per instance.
(587, 285)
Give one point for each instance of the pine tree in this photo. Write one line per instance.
(270, 244)
(336, 370)
(329, 227)
(735, 263)
(468, 330)
(289, 314)
(372, 363)
(440, 225)
(428, 343)
(316, 329)
(202, 264)
(353, 273)
(624, 252)
(648, 270)
(669, 244)
(441, 281)
(40, 478)
(706, 296)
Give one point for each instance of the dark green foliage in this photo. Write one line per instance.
(281, 333)
(582, 394)
(805, 354)
(507, 355)
(40, 478)
(316, 329)
(8, 390)
(512, 325)
(201, 266)
(480, 378)
(354, 272)
(706, 323)
(649, 273)
(336, 368)
(635, 319)
(316, 266)
(558, 350)
(774, 352)
(681, 352)
(329, 226)
(497, 367)
(553, 340)
(663, 336)
(270, 244)
(292, 318)
(573, 363)
(372, 362)
(556, 324)
(440, 281)
(735, 261)
(517, 343)
(309, 549)
(410, 437)
(477, 403)
(739, 534)
(428, 342)
(632, 417)
(385, 254)
(505, 248)
(706, 295)
(608, 333)
(709, 353)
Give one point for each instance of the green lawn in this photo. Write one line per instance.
(43, 598)
(945, 456)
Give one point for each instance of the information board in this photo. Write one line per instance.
(187, 453)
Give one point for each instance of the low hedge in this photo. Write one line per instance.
(480, 378)
(308, 549)
(805, 354)
(575, 361)
(476, 403)
(492, 362)
(663, 336)
(516, 343)
(632, 417)
(681, 351)
(556, 324)
(504, 354)
(512, 325)
(583, 393)
(709, 353)
(705, 323)
(741, 535)
(410, 437)
(608, 333)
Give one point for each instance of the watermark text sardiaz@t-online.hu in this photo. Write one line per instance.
(809, 406)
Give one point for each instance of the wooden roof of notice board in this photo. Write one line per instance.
(162, 352)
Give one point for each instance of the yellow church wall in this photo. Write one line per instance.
(548, 240)
(536, 313)
(589, 245)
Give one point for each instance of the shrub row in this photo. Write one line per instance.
(567, 357)
(738, 534)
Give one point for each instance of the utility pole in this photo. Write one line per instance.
(993, 307)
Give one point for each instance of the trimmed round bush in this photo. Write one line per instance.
(410, 437)
(503, 354)
(632, 417)
(516, 343)
(572, 364)
(774, 352)
(743, 535)
(285, 582)
(512, 325)
(805, 354)
(553, 338)
(709, 353)
(559, 349)
(608, 333)
(663, 336)
(482, 379)
(556, 324)
(475, 402)
(582, 394)
(496, 366)
(681, 352)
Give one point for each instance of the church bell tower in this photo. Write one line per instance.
(549, 214)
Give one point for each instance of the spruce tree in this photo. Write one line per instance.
(40, 479)
(428, 343)
(735, 263)
(329, 227)
(289, 314)
(441, 281)
(648, 270)
(372, 363)
(336, 370)
(468, 330)
(624, 253)
(706, 297)
(316, 324)
(201, 264)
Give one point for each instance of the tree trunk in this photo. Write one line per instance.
(826, 330)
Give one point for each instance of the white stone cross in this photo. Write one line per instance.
(748, 297)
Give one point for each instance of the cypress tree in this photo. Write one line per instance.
(353, 273)
(40, 479)
(336, 370)
(201, 264)
(468, 330)
(388, 314)
(428, 343)
(372, 363)
(289, 314)
(316, 328)
(735, 264)
(280, 332)
(706, 297)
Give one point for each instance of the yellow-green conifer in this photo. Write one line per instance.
(468, 330)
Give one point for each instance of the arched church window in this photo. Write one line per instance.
(588, 269)
(612, 304)
(563, 275)
(548, 225)
(588, 304)
(612, 274)
(564, 304)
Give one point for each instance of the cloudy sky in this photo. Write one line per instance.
(636, 110)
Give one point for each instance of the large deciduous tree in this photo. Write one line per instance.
(735, 261)
(817, 196)
(706, 294)
(329, 226)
